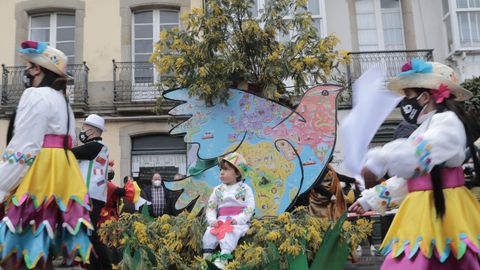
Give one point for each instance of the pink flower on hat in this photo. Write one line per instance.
(407, 66)
(29, 44)
(441, 94)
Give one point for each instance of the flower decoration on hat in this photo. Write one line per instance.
(33, 47)
(41, 54)
(441, 94)
(415, 66)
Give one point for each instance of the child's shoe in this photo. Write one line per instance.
(207, 255)
(220, 263)
(359, 251)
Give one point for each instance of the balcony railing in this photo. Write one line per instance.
(12, 86)
(135, 83)
(390, 61)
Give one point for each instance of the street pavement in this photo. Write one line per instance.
(366, 261)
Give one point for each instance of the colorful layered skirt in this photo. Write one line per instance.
(419, 240)
(48, 213)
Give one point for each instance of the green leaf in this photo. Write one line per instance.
(136, 259)
(274, 257)
(333, 252)
(127, 258)
(299, 262)
(143, 260)
(151, 256)
(145, 212)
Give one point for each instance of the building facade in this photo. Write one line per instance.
(108, 43)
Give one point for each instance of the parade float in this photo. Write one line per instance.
(227, 71)
(277, 141)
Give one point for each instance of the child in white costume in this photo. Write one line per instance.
(231, 202)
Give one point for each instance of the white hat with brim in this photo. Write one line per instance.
(430, 75)
(45, 56)
(95, 120)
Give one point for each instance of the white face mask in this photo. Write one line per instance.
(157, 183)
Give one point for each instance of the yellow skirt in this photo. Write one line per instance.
(416, 226)
(47, 211)
(53, 176)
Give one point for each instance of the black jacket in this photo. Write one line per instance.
(170, 199)
(89, 150)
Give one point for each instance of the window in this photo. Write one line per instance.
(461, 20)
(146, 31)
(379, 25)
(448, 26)
(468, 14)
(58, 29)
(314, 6)
(158, 153)
(147, 26)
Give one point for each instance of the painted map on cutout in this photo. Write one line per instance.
(286, 150)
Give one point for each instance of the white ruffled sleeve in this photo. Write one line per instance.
(442, 141)
(385, 196)
(245, 216)
(212, 206)
(31, 124)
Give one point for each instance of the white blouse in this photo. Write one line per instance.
(236, 195)
(440, 139)
(40, 111)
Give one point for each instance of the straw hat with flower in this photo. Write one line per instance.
(45, 56)
(439, 78)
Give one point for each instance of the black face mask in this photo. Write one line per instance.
(27, 78)
(411, 109)
(110, 176)
(82, 136)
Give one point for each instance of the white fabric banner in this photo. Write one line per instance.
(372, 103)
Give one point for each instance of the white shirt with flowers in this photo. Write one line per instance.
(236, 195)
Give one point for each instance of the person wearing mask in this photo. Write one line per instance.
(162, 200)
(93, 161)
(44, 199)
(130, 192)
(438, 222)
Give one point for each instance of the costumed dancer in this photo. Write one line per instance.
(130, 192)
(93, 161)
(326, 199)
(229, 210)
(438, 223)
(44, 197)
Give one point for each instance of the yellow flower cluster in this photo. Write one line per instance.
(175, 242)
(273, 235)
(140, 231)
(215, 50)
